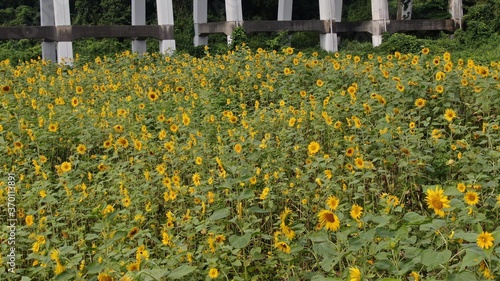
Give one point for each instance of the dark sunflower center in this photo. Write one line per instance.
(330, 218)
(437, 203)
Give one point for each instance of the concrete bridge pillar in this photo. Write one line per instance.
(200, 11)
(234, 13)
(456, 12)
(285, 10)
(47, 18)
(165, 17)
(330, 10)
(380, 19)
(139, 18)
(62, 18)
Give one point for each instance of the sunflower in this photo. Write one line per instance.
(354, 274)
(328, 220)
(174, 128)
(238, 148)
(118, 128)
(74, 101)
(213, 273)
(133, 266)
(233, 119)
(320, 83)
(440, 75)
(439, 89)
(198, 160)
(351, 90)
(400, 87)
(284, 247)
(126, 202)
(313, 147)
(349, 152)
(471, 198)
(437, 200)
(81, 149)
(186, 120)
(29, 220)
(420, 102)
(66, 167)
(53, 127)
(6, 88)
(133, 232)
(107, 144)
(79, 89)
(54, 254)
(332, 202)
(360, 164)
(356, 211)
(264, 193)
(104, 277)
(349, 166)
(485, 240)
(450, 114)
(415, 275)
(196, 179)
(153, 96)
(123, 142)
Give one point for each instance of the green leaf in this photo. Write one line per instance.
(91, 236)
(414, 218)
(95, 268)
(25, 278)
(432, 259)
(156, 274)
(240, 241)
(256, 209)
(323, 278)
(181, 271)
(382, 264)
(219, 214)
(246, 194)
(389, 279)
(319, 236)
(463, 276)
(325, 249)
(469, 237)
(434, 225)
(119, 235)
(327, 263)
(472, 257)
(66, 275)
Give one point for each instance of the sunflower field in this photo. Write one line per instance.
(252, 165)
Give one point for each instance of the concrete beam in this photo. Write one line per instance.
(166, 17)
(75, 32)
(139, 18)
